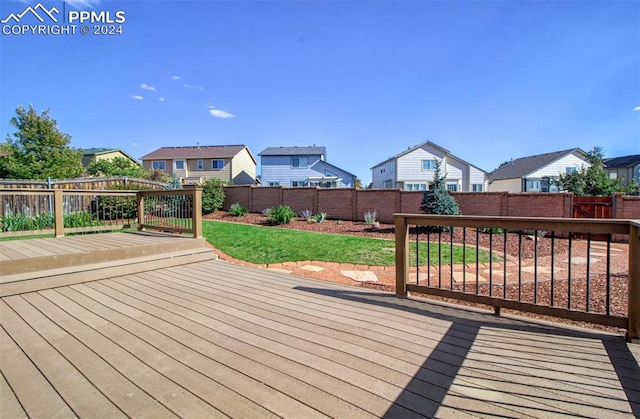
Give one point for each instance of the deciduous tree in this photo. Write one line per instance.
(38, 150)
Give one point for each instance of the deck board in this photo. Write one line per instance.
(214, 339)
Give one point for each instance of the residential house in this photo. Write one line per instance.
(89, 154)
(624, 168)
(302, 166)
(413, 170)
(195, 164)
(537, 173)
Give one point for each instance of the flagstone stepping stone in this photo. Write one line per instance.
(360, 276)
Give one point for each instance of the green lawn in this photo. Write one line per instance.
(266, 245)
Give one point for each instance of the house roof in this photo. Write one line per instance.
(334, 167)
(626, 161)
(88, 152)
(196, 152)
(294, 151)
(429, 143)
(522, 166)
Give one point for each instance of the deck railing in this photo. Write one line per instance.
(60, 211)
(565, 268)
(174, 211)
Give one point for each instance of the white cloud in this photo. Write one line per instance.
(161, 99)
(637, 108)
(200, 88)
(134, 144)
(175, 77)
(218, 113)
(145, 86)
(137, 97)
(188, 86)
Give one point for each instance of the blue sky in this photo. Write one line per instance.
(487, 80)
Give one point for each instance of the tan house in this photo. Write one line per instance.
(89, 154)
(195, 164)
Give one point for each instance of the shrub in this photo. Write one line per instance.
(109, 207)
(370, 217)
(21, 222)
(212, 195)
(320, 218)
(238, 210)
(282, 214)
(306, 214)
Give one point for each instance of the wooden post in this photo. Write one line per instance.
(402, 255)
(633, 332)
(197, 213)
(58, 210)
(140, 199)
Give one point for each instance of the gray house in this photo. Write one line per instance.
(301, 166)
(624, 168)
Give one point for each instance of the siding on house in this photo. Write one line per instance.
(277, 168)
(239, 165)
(559, 166)
(537, 173)
(625, 169)
(406, 169)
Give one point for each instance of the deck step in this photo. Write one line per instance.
(57, 277)
(157, 244)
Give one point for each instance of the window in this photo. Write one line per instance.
(415, 186)
(179, 164)
(613, 175)
(452, 187)
(571, 170)
(300, 161)
(392, 166)
(274, 183)
(298, 183)
(477, 187)
(217, 164)
(159, 165)
(200, 165)
(428, 164)
(533, 185)
(387, 184)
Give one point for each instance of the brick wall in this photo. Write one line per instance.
(351, 204)
(626, 207)
(539, 205)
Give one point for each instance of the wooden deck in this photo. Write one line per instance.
(208, 338)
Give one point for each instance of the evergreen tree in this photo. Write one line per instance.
(438, 200)
(38, 150)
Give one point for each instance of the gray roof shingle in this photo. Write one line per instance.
(294, 151)
(522, 166)
(194, 152)
(626, 161)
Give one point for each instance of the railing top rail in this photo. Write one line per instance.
(27, 191)
(578, 225)
(187, 191)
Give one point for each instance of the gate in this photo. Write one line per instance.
(592, 207)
